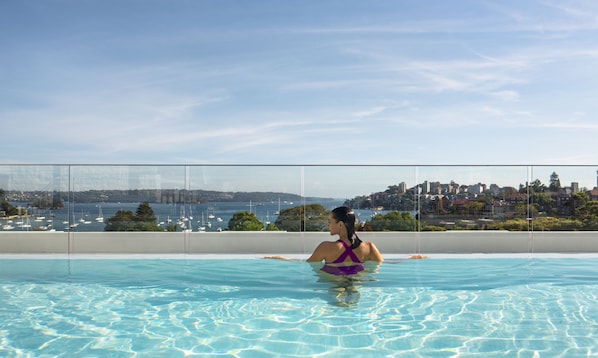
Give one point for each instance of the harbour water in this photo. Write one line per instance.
(88, 217)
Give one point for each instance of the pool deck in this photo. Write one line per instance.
(258, 244)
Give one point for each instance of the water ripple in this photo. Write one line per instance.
(405, 309)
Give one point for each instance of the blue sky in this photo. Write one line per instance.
(299, 82)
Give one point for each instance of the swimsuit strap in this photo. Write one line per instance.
(348, 252)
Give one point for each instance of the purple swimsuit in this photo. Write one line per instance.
(344, 270)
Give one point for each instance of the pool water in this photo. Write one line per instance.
(442, 307)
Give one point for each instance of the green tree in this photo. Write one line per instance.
(555, 182)
(579, 200)
(170, 227)
(271, 227)
(245, 221)
(313, 217)
(542, 202)
(534, 187)
(393, 221)
(5, 206)
(125, 220)
(145, 213)
(522, 210)
(588, 214)
(538, 187)
(473, 208)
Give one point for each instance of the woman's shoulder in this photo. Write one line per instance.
(371, 246)
(327, 244)
(330, 243)
(373, 252)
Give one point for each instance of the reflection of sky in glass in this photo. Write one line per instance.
(322, 181)
(284, 179)
(584, 176)
(347, 182)
(464, 175)
(128, 177)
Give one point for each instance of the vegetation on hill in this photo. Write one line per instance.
(5, 207)
(245, 221)
(452, 206)
(142, 220)
(393, 221)
(313, 217)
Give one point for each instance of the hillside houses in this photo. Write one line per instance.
(477, 200)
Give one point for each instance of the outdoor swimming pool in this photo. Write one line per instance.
(441, 306)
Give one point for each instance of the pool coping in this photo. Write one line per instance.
(294, 257)
(295, 243)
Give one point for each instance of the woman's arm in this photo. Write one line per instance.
(375, 255)
(282, 258)
(319, 253)
(277, 258)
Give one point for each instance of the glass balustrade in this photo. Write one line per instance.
(296, 198)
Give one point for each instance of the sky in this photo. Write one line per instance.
(401, 82)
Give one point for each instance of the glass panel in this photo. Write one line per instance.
(559, 197)
(32, 197)
(470, 197)
(99, 192)
(221, 191)
(372, 191)
(205, 197)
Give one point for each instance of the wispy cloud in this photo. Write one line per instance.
(578, 10)
(382, 78)
(370, 112)
(506, 95)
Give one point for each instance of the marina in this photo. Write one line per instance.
(89, 217)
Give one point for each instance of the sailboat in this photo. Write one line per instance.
(202, 226)
(7, 227)
(100, 217)
(73, 224)
(207, 223)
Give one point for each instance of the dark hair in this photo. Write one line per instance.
(347, 216)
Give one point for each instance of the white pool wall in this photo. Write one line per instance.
(229, 242)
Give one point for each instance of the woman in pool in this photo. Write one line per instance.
(346, 255)
(344, 258)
